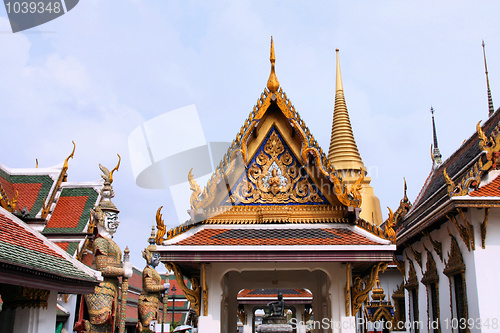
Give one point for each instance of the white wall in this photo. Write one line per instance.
(34, 320)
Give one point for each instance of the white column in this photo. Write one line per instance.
(247, 328)
(212, 322)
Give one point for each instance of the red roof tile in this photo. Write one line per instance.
(7, 187)
(490, 190)
(63, 245)
(299, 236)
(12, 233)
(67, 212)
(28, 193)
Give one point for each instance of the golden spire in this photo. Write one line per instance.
(272, 82)
(343, 152)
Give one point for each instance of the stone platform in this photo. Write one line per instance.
(274, 324)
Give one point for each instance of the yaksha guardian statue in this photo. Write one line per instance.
(103, 304)
(152, 289)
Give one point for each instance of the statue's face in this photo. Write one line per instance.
(111, 222)
(155, 259)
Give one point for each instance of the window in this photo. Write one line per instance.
(455, 270)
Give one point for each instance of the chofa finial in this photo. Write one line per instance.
(272, 83)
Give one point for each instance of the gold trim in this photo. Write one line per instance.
(242, 314)
(272, 82)
(455, 263)
(417, 255)
(160, 225)
(371, 228)
(347, 290)
(438, 247)
(4, 200)
(389, 232)
(205, 289)
(483, 228)
(114, 169)
(466, 232)
(472, 178)
(62, 178)
(431, 274)
(192, 295)
(412, 281)
(456, 266)
(361, 287)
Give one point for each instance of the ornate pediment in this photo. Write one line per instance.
(274, 176)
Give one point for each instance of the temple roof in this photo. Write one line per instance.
(273, 172)
(44, 199)
(29, 187)
(30, 259)
(465, 178)
(71, 213)
(288, 242)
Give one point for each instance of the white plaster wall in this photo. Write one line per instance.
(29, 320)
(487, 273)
(481, 274)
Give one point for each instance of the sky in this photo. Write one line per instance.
(101, 70)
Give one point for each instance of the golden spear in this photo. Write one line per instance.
(123, 312)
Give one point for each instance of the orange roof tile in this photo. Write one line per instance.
(28, 193)
(67, 212)
(299, 236)
(63, 245)
(490, 190)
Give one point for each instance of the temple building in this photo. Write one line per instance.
(447, 239)
(39, 275)
(279, 213)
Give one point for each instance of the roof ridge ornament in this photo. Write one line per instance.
(272, 82)
(435, 153)
(491, 109)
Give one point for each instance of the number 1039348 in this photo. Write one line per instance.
(32, 7)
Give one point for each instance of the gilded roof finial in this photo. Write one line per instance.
(491, 110)
(436, 154)
(343, 152)
(272, 82)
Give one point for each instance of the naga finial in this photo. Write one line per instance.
(272, 82)
(67, 158)
(160, 225)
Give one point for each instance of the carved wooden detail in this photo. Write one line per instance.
(192, 295)
(361, 287)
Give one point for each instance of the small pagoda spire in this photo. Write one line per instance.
(436, 154)
(491, 110)
(343, 152)
(272, 82)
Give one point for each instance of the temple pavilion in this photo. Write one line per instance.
(280, 213)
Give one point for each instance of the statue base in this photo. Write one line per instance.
(274, 324)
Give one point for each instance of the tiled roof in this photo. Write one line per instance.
(69, 247)
(490, 190)
(72, 210)
(32, 189)
(277, 236)
(273, 293)
(22, 246)
(434, 191)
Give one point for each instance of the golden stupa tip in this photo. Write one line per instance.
(272, 83)
(338, 84)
